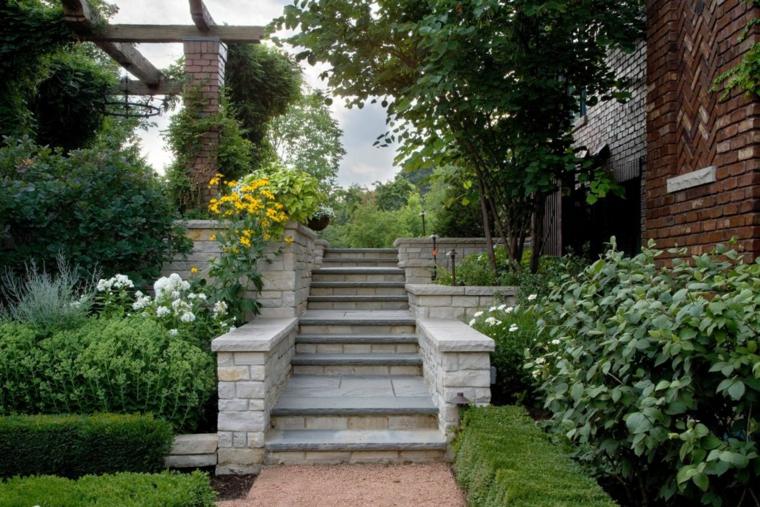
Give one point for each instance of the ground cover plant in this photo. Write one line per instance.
(504, 459)
(76, 445)
(122, 489)
(654, 374)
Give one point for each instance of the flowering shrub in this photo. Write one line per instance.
(513, 329)
(655, 374)
(175, 306)
(253, 217)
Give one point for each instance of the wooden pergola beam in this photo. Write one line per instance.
(176, 33)
(84, 21)
(134, 87)
(201, 16)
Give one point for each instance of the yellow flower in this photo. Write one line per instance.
(212, 237)
(194, 270)
(245, 241)
(288, 240)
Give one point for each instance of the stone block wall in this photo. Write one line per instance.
(286, 279)
(691, 128)
(253, 366)
(429, 301)
(416, 257)
(456, 359)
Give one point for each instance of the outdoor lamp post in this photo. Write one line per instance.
(435, 257)
(422, 215)
(453, 255)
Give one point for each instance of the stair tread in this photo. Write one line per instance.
(368, 260)
(371, 285)
(347, 317)
(359, 250)
(354, 405)
(361, 270)
(356, 338)
(360, 297)
(331, 440)
(356, 359)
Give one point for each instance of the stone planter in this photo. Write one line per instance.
(429, 301)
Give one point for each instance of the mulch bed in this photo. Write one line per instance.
(232, 487)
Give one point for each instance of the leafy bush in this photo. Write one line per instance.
(72, 445)
(504, 459)
(654, 372)
(122, 489)
(513, 329)
(297, 190)
(46, 301)
(99, 207)
(130, 365)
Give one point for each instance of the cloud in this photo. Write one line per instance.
(363, 163)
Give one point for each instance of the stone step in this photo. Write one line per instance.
(359, 261)
(357, 364)
(350, 339)
(358, 274)
(359, 302)
(357, 348)
(358, 289)
(321, 322)
(376, 420)
(355, 440)
(365, 253)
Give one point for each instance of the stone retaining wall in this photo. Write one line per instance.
(286, 279)
(193, 451)
(415, 255)
(456, 359)
(429, 301)
(253, 367)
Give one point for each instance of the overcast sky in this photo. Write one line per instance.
(363, 163)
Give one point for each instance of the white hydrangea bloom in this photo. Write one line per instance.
(187, 317)
(513, 328)
(141, 302)
(162, 311)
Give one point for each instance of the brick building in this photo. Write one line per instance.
(688, 160)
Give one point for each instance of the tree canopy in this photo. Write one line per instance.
(491, 86)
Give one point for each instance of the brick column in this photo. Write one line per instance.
(205, 59)
(689, 128)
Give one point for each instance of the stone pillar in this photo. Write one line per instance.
(205, 60)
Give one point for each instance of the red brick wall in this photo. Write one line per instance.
(689, 42)
(205, 59)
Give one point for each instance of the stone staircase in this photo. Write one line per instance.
(357, 394)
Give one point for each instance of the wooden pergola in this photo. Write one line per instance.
(118, 41)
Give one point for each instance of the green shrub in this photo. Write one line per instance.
(46, 301)
(504, 459)
(654, 372)
(130, 365)
(100, 207)
(297, 190)
(513, 329)
(73, 445)
(122, 489)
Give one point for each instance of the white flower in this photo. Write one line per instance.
(513, 328)
(540, 360)
(472, 322)
(492, 309)
(191, 296)
(555, 342)
(509, 309)
(491, 321)
(173, 332)
(220, 308)
(162, 311)
(139, 294)
(175, 294)
(122, 281)
(187, 317)
(532, 297)
(141, 302)
(201, 296)
(501, 307)
(103, 285)
(477, 314)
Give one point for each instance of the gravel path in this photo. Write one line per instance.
(424, 485)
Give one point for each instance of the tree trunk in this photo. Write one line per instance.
(487, 227)
(539, 212)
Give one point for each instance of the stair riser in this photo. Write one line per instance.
(354, 329)
(332, 370)
(338, 457)
(341, 263)
(357, 277)
(357, 422)
(358, 305)
(392, 256)
(355, 348)
(358, 291)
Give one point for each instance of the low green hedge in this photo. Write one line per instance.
(504, 459)
(72, 446)
(123, 489)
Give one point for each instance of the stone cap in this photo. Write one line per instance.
(427, 240)
(261, 335)
(455, 336)
(216, 224)
(431, 289)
